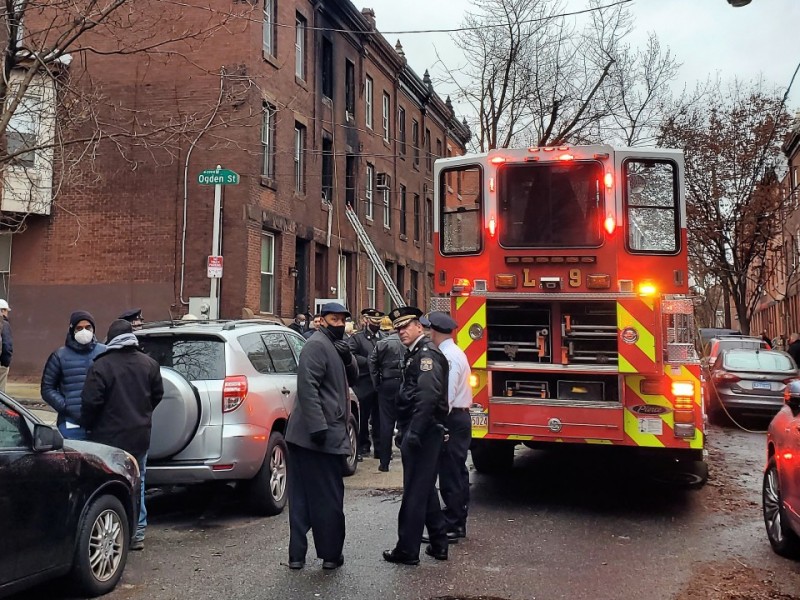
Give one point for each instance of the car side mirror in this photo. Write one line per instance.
(46, 438)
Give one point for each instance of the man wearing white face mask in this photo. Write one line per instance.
(65, 372)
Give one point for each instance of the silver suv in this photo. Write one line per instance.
(229, 387)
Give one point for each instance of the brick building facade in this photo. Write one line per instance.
(312, 107)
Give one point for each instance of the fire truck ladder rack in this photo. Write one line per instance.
(372, 253)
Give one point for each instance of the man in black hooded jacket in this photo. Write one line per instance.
(123, 386)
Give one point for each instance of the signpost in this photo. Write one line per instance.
(216, 177)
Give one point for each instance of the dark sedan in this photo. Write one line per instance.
(66, 507)
(748, 383)
(781, 491)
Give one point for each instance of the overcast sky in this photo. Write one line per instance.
(709, 37)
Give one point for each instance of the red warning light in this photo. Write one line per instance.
(610, 224)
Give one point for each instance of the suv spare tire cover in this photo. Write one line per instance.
(176, 417)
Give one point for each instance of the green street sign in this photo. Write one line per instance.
(218, 177)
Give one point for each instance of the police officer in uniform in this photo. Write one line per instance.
(134, 316)
(385, 368)
(453, 473)
(421, 414)
(361, 345)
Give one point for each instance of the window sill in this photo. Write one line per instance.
(369, 220)
(387, 143)
(270, 59)
(415, 166)
(327, 101)
(416, 243)
(325, 206)
(301, 82)
(387, 229)
(268, 182)
(299, 195)
(403, 237)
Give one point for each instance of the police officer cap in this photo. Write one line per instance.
(372, 313)
(333, 307)
(401, 316)
(439, 321)
(134, 314)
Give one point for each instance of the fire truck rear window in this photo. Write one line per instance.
(462, 217)
(551, 205)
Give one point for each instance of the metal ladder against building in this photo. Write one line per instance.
(372, 253)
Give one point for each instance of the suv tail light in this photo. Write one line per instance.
(234, 391)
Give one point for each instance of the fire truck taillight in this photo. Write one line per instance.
(609, 180)
(498, 160)
(647, 288)
(610, 224)
(566, 157)
(492, 226)
(598, 282)
(683, 389)
(506, 281)
(461, 286)
(473, 380)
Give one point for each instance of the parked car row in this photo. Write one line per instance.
(229, 388)
(743, 378)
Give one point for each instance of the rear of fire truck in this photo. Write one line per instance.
(566, 270)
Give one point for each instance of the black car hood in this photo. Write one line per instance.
(107, 458)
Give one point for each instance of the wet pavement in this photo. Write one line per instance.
(575, 525)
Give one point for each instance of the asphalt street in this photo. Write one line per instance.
(573, 525)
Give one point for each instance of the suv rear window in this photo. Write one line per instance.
(195, 357)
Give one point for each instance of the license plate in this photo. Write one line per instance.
(761, 385)
(479, 420)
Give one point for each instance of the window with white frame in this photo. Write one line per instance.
(368, 100)
(268, 36)
(369, 212)
(386, 113)
(371, 286)
(268, 140)
(300, 47)
(387, 207)
(23, 128)
(267, 273)
(299, 160)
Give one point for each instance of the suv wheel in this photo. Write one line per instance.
(266, 492)
(351, 460)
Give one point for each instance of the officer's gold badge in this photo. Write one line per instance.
(426, 364)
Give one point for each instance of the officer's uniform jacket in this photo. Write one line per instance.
(386, 360)
(362, 343)
(422, 404)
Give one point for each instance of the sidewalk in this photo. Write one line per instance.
(28, 395)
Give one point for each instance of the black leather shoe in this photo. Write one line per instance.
(395, 556)
(450, 540)
(437, 553)
(295, 565)
(333, 564)
(383, 468)
(457, 532)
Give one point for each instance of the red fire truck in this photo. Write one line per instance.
(566, 270)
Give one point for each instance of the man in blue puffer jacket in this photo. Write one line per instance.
(65, 372)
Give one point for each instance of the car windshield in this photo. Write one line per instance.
(739, 360)
(195, 357)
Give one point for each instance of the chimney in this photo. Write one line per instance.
(369, 15)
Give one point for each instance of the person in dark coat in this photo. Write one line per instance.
(299, 323)
(362, 343)
(65, 372)
(318, 443)
(134, 317)
(123, 387)
(421, 414)
(313, 327)
(7, 348)
(385, 369)
(794, 348)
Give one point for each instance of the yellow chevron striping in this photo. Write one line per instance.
(631, 426)
(624, 366)
(646, 342)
